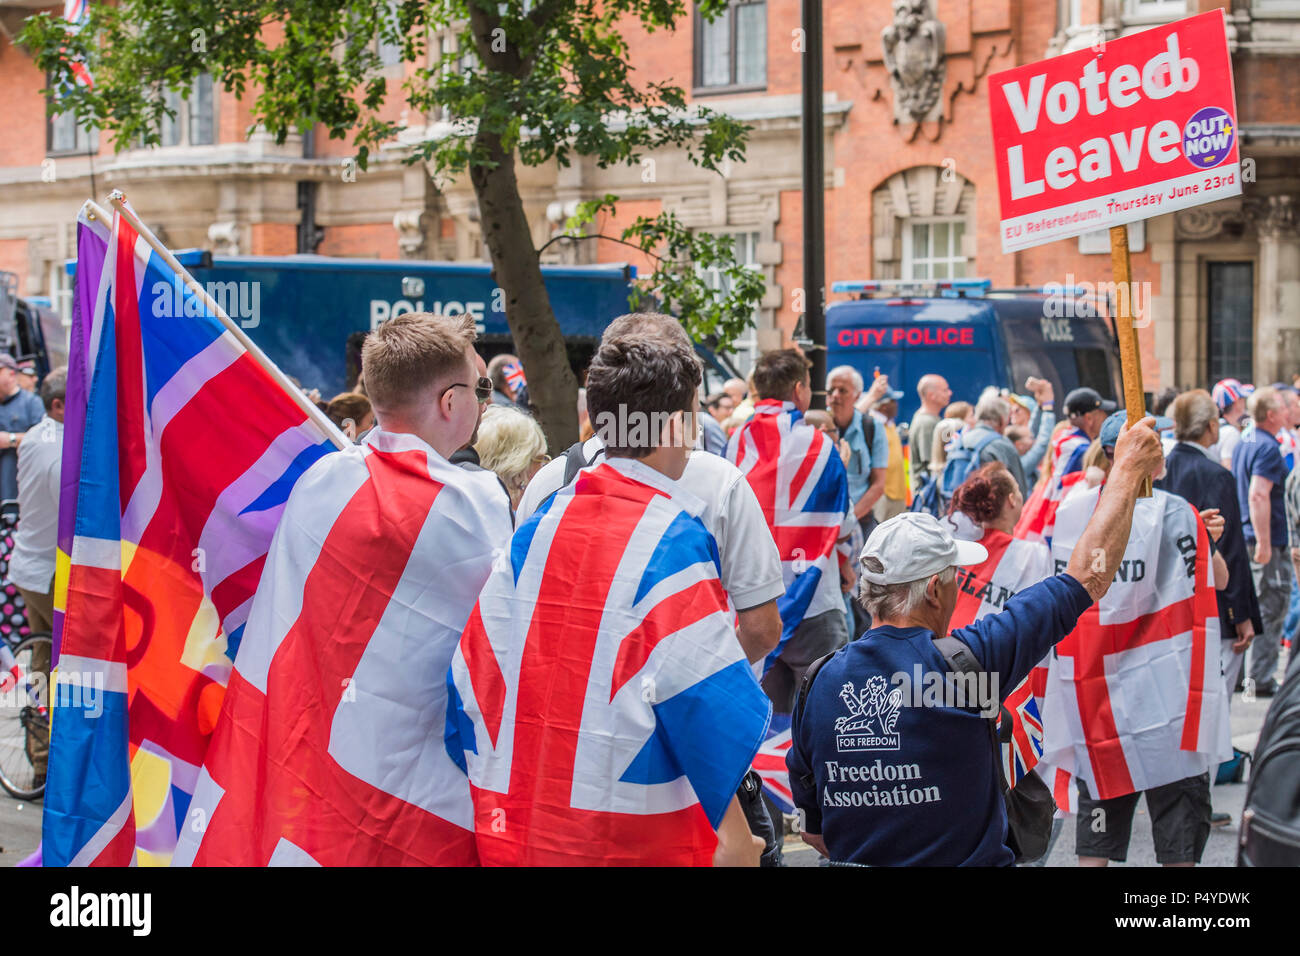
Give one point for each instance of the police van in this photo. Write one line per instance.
(311, 313)
(973, 335)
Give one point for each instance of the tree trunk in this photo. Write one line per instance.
(552, 386)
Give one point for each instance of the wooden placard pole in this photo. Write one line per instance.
(1130, 359)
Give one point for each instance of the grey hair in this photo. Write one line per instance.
(849, 370)
(893, 601)
(55, 386)
(994, 410)
(1193, 413)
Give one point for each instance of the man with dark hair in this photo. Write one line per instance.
(799, 478)
(605, 709)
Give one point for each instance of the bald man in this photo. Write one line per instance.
(935, 394)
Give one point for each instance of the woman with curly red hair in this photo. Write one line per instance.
(990, 500)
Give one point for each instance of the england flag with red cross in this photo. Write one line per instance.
(600, 702)
(329, 746)
(800, 482)
(1135, 699)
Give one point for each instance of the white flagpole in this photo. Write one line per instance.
(118, 201)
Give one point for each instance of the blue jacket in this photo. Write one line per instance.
(892, 775)
(1190, 474)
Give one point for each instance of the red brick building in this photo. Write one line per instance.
(911, 187)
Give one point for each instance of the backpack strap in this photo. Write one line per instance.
(575, 461)
(801, 698)
(981, 445)
(961, 659)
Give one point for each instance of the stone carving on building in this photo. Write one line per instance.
(409, 224)
(914, 46)
(224, 237)
(1274, 216)
(1207, 222)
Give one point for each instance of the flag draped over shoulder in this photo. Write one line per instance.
(602, 706)
(802, 487)
(185, 449)
(1135, 699)
(982, 589)
(329, 749)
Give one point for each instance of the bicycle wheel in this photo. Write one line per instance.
(25, 717)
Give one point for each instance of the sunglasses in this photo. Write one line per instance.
(482, 389)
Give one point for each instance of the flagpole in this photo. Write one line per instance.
(118, 200)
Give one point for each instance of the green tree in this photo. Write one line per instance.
(547, 80)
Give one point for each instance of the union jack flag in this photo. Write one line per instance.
(185, 449)
(76, 13)
(800, 482)
(329, 748)
(1023, 752)
(600, 702)
(770, 764)
(515, 376)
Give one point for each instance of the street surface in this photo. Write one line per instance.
(20, 821)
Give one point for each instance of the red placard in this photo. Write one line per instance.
(1143, 126)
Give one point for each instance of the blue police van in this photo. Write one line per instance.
(973, 335)
(310, 313)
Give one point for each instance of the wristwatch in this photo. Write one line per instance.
(13, 439)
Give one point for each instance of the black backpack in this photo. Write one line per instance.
(1270, 824)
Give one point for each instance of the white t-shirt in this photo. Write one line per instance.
(40, 457)
(751, 564)
(1229, 436)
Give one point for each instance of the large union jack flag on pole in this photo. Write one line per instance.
(186, 445)
(601, 704)
(800, 482)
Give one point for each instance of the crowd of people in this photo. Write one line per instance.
(819, 550)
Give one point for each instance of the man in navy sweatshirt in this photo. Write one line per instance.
(887, 769)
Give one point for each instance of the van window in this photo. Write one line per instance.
(1094, 372)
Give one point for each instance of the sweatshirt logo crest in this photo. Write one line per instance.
(872, 716)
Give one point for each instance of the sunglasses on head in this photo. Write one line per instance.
(482, 389)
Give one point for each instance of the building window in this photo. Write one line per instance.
(932, 249)
(191, 122)
(1231, 320)
(65, 135)
(731, 51)
(1156, 9)
(744, 350)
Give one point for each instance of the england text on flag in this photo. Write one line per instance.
(329, 749)
(602, 707)
(1134, 696)
(187, 451)
(803, 489)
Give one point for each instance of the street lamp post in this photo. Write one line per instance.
(814, 213)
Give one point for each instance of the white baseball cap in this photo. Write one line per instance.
(914, 545)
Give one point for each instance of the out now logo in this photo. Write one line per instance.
(1208, 137)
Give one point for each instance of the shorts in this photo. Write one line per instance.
(1180, 821)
